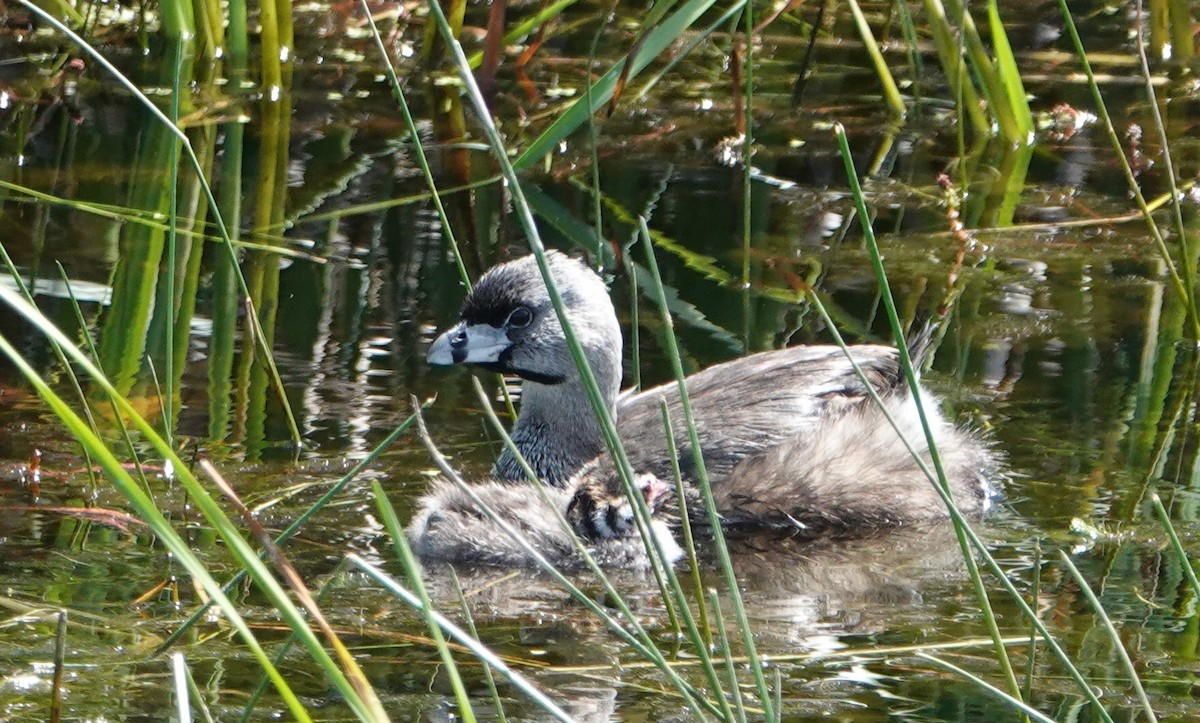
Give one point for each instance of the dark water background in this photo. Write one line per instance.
(1065, 345)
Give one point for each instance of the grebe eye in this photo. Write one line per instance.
(520, 317)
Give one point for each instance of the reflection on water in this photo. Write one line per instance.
(1064, 345)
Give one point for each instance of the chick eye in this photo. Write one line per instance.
(520, 317)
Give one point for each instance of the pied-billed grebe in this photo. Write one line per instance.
(449, 526)
(788, 437)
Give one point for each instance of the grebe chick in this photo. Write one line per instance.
(449, 527)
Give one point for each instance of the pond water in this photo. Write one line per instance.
(1063, 343)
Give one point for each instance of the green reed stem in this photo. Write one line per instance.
(1015, 702)
(747, 165)
(141, 502)
(685, 525)
(418, 148)
(168, 314)
(1122, 653)
(593, 146)
(238, 38)
(178, 20)
(1008, 79)
(1034, 593)
(735, 688)
(1176, 545)
(412, 570)
(889, 304)
(648, 540)
(705, 486)
(1185, 286)
(1187, 243)
(291, 530)
(488, 657)
(23, 289)
(603, 413)
(639, 639)
(487, 670)
(699, 632)
(961, 522)
(284, 648)
(949, 45)
(891, 92)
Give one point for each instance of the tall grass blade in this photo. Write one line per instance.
(915, 390)
(1188, 569)
(141, 503)
(960, 523)
(656, 42)
(183, 707)
(735, 688)
(1008, 76)
(418, 149)
(413, 571)
(487, 671)
(639, 640)
(1189, 244)
(603, 413)
(296, 525)
(362, 699)
(891, 92)
(1185, 286)
(714, 517)
(488, 657)
(1113, 635)
(1013, 701)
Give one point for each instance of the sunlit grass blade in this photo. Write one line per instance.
(285, 648)
(364, 699)
(183, 704)
(412, 570)
(418, 149)
(1134, 679)
(703, 484)
(525, 216)
(910, 374)
(937, 476)
(891, 92)
(132, 492)
(1010, 700)
(474, 632)
(204, 502)
(297, 524)
(1008, 76)
(568, 121)
(735, 689)
(1189, 242)
(947, 41)
(704, 623)
(488, 657)
(1176, 545)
